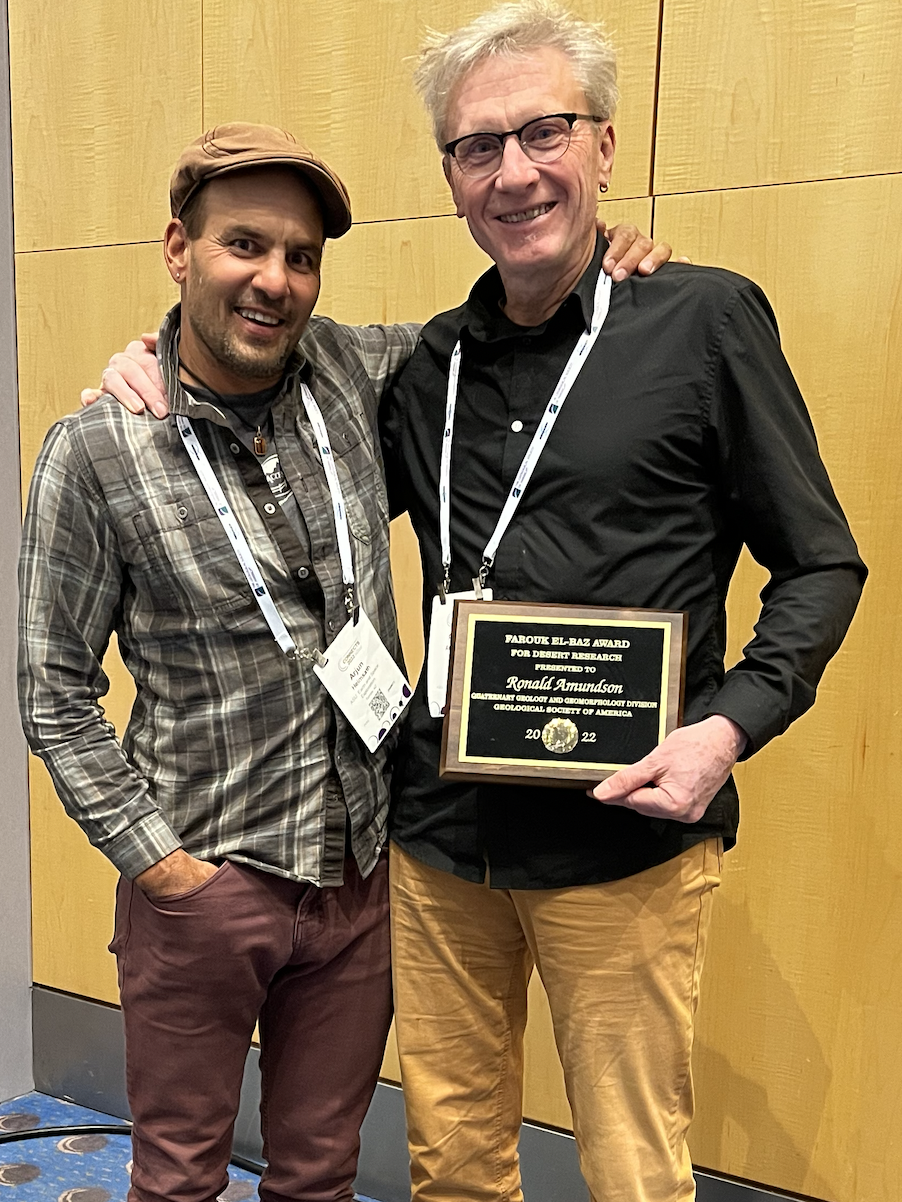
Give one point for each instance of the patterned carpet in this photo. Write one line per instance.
(77, 1168)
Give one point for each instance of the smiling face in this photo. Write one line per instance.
(536, 220)
(250, 279)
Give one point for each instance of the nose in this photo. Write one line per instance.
(517, 170)
(272, 276)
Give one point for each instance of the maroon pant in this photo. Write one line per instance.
(196, 971)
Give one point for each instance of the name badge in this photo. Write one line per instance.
(439, 655)
(364, 681)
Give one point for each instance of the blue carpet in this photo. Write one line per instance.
(78, 1168)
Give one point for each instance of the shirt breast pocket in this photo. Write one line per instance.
(362, 483)
(190, 564)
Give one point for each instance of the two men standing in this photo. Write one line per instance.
(682, 438)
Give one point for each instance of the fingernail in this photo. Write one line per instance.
(619, 274)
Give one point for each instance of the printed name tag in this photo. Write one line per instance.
(439, 656)
(364, 681)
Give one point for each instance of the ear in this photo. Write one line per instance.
(606, 145)
(175, 249)
(447, 167)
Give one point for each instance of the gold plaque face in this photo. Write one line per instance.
(560, 735)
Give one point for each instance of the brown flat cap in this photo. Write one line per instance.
(237, 146)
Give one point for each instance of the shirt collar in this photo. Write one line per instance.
(180, 400)
(485, 320)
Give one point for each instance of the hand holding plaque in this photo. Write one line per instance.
(559, 694)
(679, 779)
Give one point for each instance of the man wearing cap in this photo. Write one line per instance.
(246, 817)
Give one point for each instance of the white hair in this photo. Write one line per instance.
(515, 29)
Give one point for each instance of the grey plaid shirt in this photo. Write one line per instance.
(232, 750)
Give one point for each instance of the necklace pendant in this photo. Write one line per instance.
(259, 443)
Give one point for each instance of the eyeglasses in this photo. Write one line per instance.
(542, 140)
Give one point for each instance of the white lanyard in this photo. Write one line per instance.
(339, 512)
(236, 536)
(574, 365)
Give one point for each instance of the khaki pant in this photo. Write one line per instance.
(620, 963)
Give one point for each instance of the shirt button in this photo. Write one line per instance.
(517, 426)
(182, 512)
(331, 624)
(303, 573)
(269, 507)
(234, 448)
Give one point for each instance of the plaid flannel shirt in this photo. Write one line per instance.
(232, 750)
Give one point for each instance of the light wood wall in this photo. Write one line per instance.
(765, 138)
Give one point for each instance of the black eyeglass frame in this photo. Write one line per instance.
(570, 118)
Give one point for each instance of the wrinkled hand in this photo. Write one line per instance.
(176, 873)
(687, 769)
(133, 378)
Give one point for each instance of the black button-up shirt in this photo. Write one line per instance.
(684, 437)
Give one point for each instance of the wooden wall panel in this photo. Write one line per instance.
(399, 270)
(759, 93)
(74, 308)
(799, 1058)
(105, 94)
(544, 1092)
(411, 270)
(73, 884)
(800, 1041)
(72, 890)
(340, 78)
(407, 577)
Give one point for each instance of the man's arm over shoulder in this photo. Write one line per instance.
(71, 585)
(777, 491)
(381, 349)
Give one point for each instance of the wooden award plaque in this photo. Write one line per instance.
(559, 694)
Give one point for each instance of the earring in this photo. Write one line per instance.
(602, 188)
(178, 276)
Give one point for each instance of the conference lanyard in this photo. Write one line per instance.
(357, 670)
(577, 358)
(438, 654)
(239, 543)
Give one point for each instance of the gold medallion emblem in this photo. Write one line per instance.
(560, 735)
